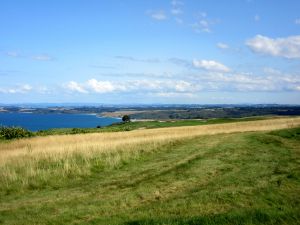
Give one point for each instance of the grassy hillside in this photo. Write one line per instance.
(147, 125)
(187, 175)
(17, 132)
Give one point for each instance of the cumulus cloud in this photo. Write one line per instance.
(222, 45)
(101, 86)
(288, 47)
(130, 86)
(157, 14)
(183, 86)
(210, 65)
(211, 79)
(74, 86)
(271, 80)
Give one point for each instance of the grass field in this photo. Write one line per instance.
(233, 173)
(147, 125)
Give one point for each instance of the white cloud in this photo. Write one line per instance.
(74, 86)
(210, 65)
(103, 86)
(288, 47)
(222, 45)
(157, 15)
(131, 86)
(204, 24)
(42, 57)
(19, 89)
(183, 86)
(257, 18)
(216, 78)
(271, 80)
(297, 21)
(175, 95)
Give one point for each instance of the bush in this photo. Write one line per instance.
(14, 132)
(126, 118)
(78, 131)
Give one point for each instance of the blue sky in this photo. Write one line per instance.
(173, 51)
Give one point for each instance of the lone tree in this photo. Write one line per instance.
(126, 118)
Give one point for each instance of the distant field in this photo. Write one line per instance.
(232, 173)
(148, 125)
(205, 112)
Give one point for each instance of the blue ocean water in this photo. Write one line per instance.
(34, 121)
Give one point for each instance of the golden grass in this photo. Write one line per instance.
(21, 159)
(103, 142)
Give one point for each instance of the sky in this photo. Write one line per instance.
(149, 52)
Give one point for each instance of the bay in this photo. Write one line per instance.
(35, 122)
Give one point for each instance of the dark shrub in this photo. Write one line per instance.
(126, 118)
(78, 131)
(14, 132)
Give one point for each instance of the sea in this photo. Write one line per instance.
(35, 122)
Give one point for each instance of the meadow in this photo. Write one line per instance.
(230, 173)
(147, 124)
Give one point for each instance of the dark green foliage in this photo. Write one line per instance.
(14, 132)
(126, 118)
(78, 131)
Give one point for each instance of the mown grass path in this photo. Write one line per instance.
(240, 178)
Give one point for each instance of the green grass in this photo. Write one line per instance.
(144, 125)
(241, 178)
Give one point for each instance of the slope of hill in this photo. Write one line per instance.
(234, 173)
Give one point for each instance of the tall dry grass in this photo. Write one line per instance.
(43, 158)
